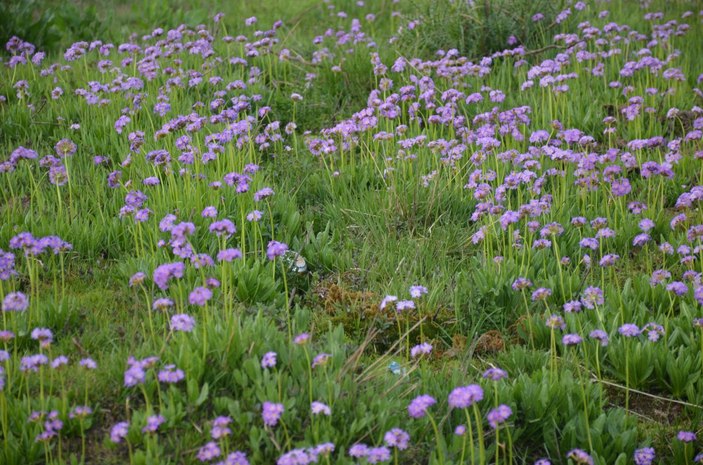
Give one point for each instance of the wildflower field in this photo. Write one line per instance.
(351, 232)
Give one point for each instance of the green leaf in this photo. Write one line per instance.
(203, 395)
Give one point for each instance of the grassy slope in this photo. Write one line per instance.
(372, 241)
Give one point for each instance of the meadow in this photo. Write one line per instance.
(351, 232)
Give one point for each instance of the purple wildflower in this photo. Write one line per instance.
(387, 300)
(33, 362)
(254, 216)
(421, 349)
(600, 336)
(541, 293)
(378, 455)
(571, 339)
(228, 255)
(137, 279)
(629, 330)
(220, 427)
(320, 359)
(573, 306)
(397, 438)
(556, 322)
(295, 457)
(653, 331)
(417, 291)
(88, 363)
(209, 212)
(677, 287)
(418, 407)
(59, 361)
(644, 456)
(170, 375)
(521, 283)
(263, 193)
(495, 374)
(404, 305)
(65, 148)
(119, 432)
(15, 302)
(498, 415)
(208, 452)
(465, 396)
(641, 239)
(319, 408)
(268, 360)
(580, 457)
(80, 412)
(359, 450)
(271, 413)
(200, 296)
(591, 297)
(275, 249)
(182, 322)
(152, 423)
(223, 228)
(162, 303)
(163, 273)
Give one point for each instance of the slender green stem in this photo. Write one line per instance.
(438, 438)
(469, 430)
(479, 434)
(627, 378)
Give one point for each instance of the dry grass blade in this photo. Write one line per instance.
(647, 394)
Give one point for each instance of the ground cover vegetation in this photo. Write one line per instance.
(351, 232)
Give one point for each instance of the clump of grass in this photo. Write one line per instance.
(480, 28)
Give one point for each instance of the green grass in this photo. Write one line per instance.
(370, 219)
